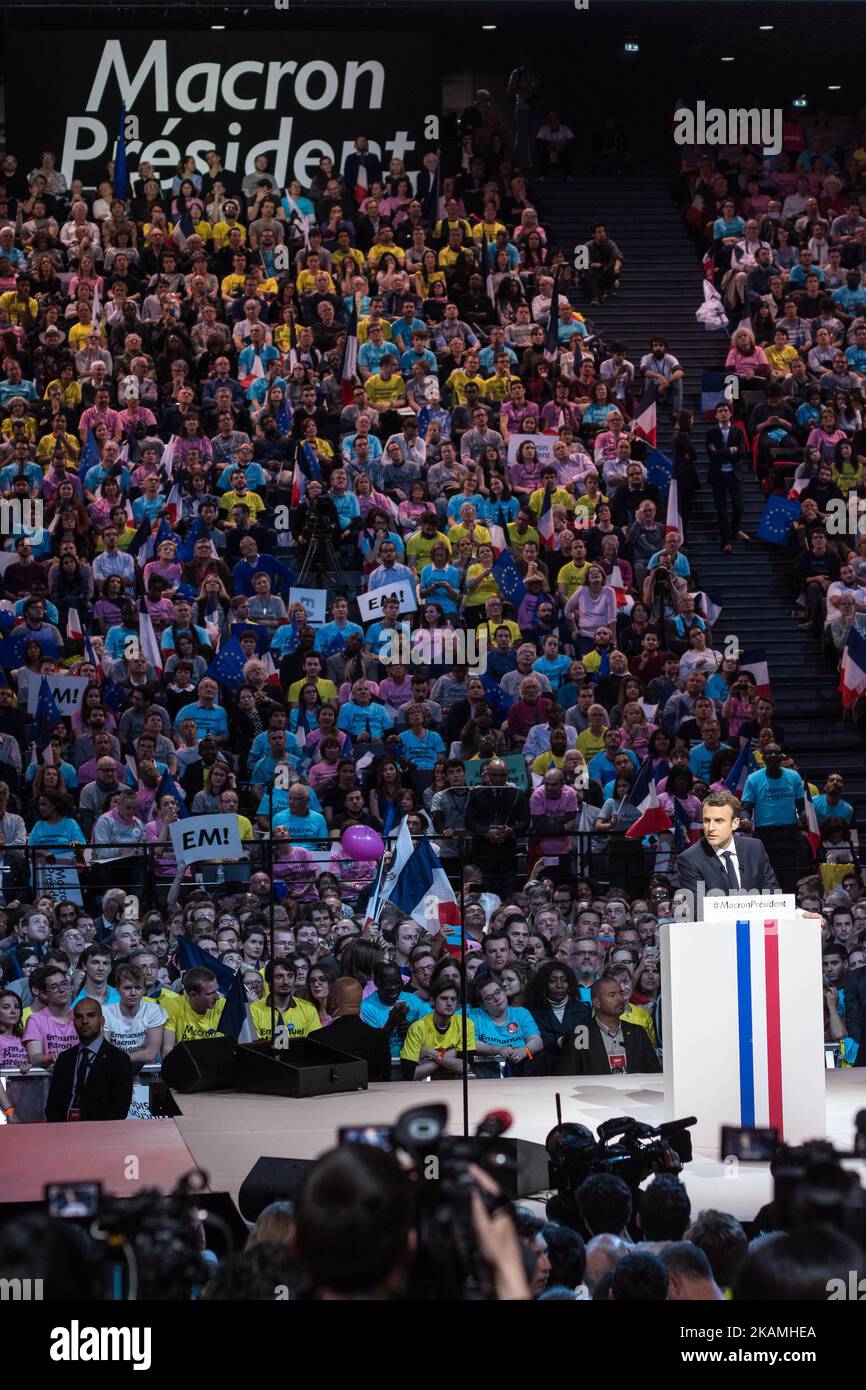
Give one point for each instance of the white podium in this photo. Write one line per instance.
(743, 1031)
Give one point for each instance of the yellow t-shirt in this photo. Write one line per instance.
(378, 251)
(424, 1033)
(516, 540)
(481, 533)
(488, 588)
(231, 284)
(780, 359)
(498, 388)
(169, 1001)
(364, 330)
(545, 761)
(353, 254)
(327, 690)
(419, 548)
(573, 576)
(586, 506)
(459, 380)
(249, 499)
(80, 332)
(18, 309)
(71, 393)
(48, 443)
(558, 498)
(635, 1013)
(307, 281)
(590, 743)
(187, 1025)
(222, 231)
(380, 390)
(490, 628)
(302, 1018)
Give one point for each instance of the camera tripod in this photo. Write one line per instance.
(321, 559)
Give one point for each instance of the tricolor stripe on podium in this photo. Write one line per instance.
(760, 1025)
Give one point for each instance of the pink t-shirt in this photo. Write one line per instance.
(54, 1034)
(12, 1051)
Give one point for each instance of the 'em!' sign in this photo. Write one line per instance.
(291, 96)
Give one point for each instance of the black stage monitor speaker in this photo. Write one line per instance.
(528, 1169)
(270, 1180)
(303, 1068)
(205, 1064)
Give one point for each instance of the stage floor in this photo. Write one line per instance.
(225, 1133)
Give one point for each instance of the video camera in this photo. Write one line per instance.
(449, 1264)
(626, 1148)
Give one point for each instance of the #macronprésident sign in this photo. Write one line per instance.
(293, 96)
(370, 604)
(206, 837)
(742, 906)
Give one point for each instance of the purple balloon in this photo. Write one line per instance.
(363, 844)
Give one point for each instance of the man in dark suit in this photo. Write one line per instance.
(721, 859)
(728, 449)
(348, 1033)
(607, 1045)
(92, 1081)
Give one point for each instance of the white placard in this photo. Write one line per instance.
(315, 602)
(543, 443)
(370, 604)
(206, 837)
(68, 692)
(739, 907)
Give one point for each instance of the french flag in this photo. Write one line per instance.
(673, 520)
(254, 374)
(709, 606)
(546, 533)
(756, 662)
(362, 183)
(813, 834)
(422, 890)
(644, 795)
(349, 365)
(149, 645)
(852, 672)
(174, 505)
(74, 627)
(644, 424)
(744, 764)
(299, 485)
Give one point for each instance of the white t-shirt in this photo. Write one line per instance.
(129, 1034)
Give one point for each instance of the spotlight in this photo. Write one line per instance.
(728, 59)
(631, 46)
(800, 102)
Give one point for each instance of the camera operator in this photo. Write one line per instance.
(356, 1235)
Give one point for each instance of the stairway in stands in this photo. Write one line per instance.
(661, 287)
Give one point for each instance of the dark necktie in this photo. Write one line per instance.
(81, 1074)
(730, 872)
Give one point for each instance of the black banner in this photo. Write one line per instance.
(292, 97)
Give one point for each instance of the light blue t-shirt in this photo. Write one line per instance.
(700, 759)
(360, 719)
(207, 721)
(774, 799)
(375, 1014)
(422, 752)
(517, 1027)
(331, 637)
(303, 828)
(554, 670)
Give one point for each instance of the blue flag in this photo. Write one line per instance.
(189, 955)
(551, 332)
(234, 1019)
(497, 699)
(227, 666)
(777, 519)
(12, 648)
(168, 787)
(114, 696)
(309, 463)
(47, 715)
(507, 576)
(121, 176)
(187, 591)
(261, 634)
(659, 469)
(743, 765)
(186, 549)
(89, 455)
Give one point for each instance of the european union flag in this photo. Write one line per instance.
(496, 697)
(89, 455)
(309, 462)
(659, 469)
(261, 634)
(777, 520)
(12, 648)
(114, 696)
(507, 576)
(187, 591)
(47, 715)
(227, 666)
(186, 549)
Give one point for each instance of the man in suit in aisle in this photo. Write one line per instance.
(92, 1081)
(721, 859)
(728, 449)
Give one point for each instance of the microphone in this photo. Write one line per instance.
(496, 1122)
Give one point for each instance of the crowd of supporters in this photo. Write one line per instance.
(186, 415)
(786, 247)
